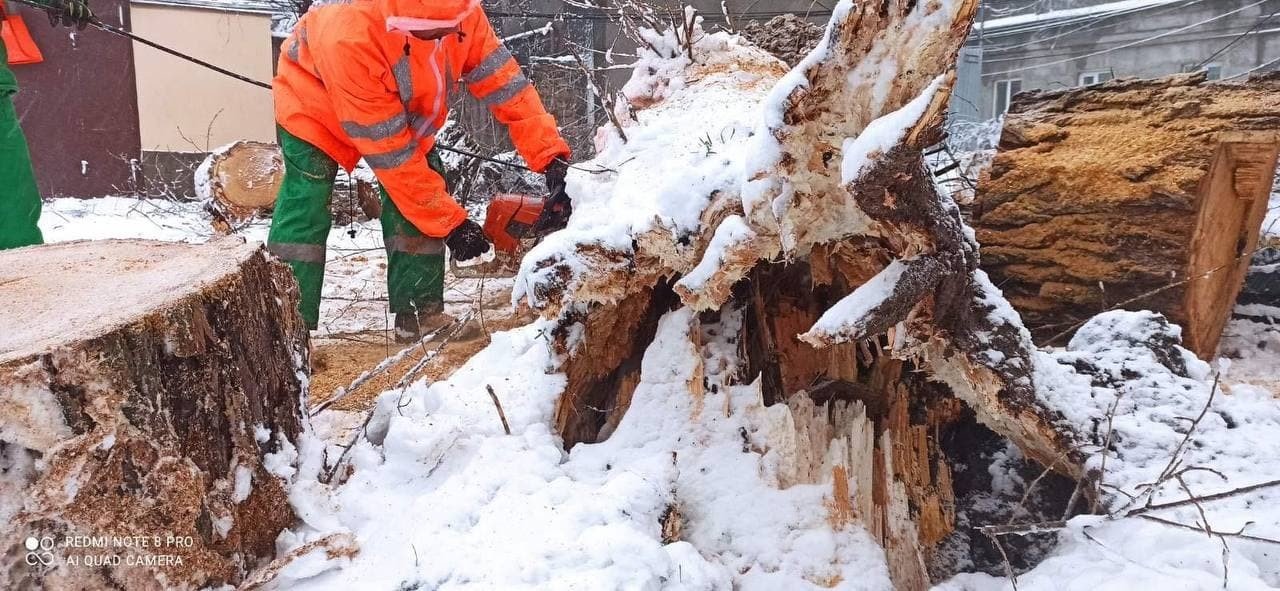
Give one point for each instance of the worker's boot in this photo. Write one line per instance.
(411, 325)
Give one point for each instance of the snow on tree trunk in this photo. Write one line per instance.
(828, 197)
(1142, 194)
(147, 389)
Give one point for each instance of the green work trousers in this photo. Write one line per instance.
(300, 229)
(19, 197)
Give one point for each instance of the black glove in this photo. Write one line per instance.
(467, 241)
(558, 207)
(70, 12)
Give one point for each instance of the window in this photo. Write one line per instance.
(1091, 78)
(1212, 71)
(1005, 89)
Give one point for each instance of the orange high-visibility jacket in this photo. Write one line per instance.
(352, 87)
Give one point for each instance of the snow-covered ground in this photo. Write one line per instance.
(355, 288)
(439, 497)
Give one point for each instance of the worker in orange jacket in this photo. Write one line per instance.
(371, 79)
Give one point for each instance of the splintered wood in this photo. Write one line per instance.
(863, 310)
(141, 386)
(1134, 194)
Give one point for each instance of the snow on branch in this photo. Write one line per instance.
(878, 304)
(546, 29)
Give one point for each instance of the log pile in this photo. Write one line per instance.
(148, 391)
(1133, 194)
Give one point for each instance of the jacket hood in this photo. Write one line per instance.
(407, 16)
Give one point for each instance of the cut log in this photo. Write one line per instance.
(142, 387)
(239, 182)
(1131, 194)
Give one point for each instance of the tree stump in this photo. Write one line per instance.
(1135, 194)
(144, 388)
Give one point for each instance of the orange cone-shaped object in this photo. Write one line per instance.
(17, 39)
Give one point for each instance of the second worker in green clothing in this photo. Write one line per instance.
(19, 197)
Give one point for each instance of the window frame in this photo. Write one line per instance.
(1097, 75)
(1007, 84)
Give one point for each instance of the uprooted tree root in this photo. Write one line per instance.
(932, 349)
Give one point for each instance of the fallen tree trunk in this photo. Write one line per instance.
(833, 236)
(1134, 194)
(149, 391)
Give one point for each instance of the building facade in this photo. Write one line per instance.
(1019, 45)
(107, 116)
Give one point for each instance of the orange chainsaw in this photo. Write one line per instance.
(509, 224)
(509, 220)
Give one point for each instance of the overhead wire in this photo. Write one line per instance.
(1088, 26)
(1130, 44)
(1254, 69)
(1238, 39)
(1048, 20)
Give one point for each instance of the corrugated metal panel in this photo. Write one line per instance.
(966, 97)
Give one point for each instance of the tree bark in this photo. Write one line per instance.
(142, 388)
(1136, 194)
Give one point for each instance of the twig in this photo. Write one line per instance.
(403, 385)
(1008, 567)
(382, 367)
(328, 477)
(1022, 529)
(607, 103)
(1106, 446)
(1085, 531)
(1175, 459)
(1156, 291)
(1203, 498)
(1224, 534)
(1204, 517)
(480, 302)
(724, 8)
(1149, 489)
(501, 415)
(1026, 496)
(348, 338)
(1075, 497)
(413, 371)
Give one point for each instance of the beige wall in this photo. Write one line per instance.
(177, 98)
